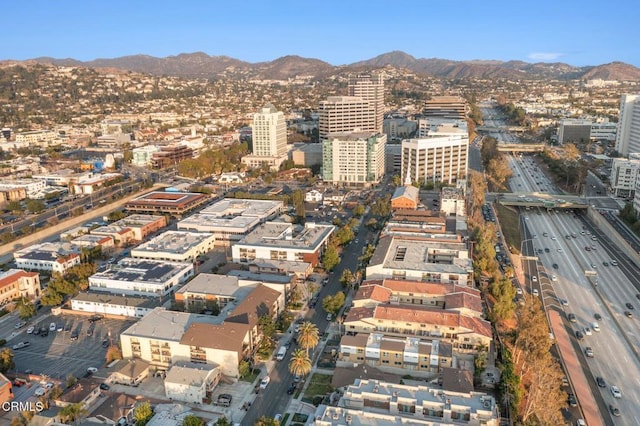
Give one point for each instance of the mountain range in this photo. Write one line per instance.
(201, 65)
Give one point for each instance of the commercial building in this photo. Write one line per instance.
(604, 131)
(269, 138)
(171, 203)
(430, 259)
(283, 241)
(373, 402)
(307, 154)
(353, 158)
(340, 114)
(6, 389)
(628, 132)
(446, 107)
(32, 187)
(624, 175)
(393, 157)
(141, 225)
(105, 243)
(572, 130)
(171, 155)
(43, 138)
(230, 219)
(427, 126)
(398, 128)
(16, 283)
(45, 257)
(89, 184)
(369, 87)
(452, 202)
(142, 277)
(405, 197)
(143, 156)
(435, 159)
(114, 304)
(175, 246)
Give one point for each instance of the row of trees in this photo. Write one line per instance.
(214, 161)
(494, 162)
(74, 280)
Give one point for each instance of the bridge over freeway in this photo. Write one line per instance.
(511, 129)
(521, 147)
(551, 201)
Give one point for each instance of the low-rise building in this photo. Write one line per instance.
(113, 304)
(402, 353)
(405, 197)
(404, 257)
(142, 277)
(6, 389)
(283, 241)
(32, 187)
(175, 246)
(16, 283)
(90, 184)
(624, 175)
(313, 196)
(206, 289)
(408, 404)
(42, 257)
(143, 156)
(105, 243)
(85, 392)
(229, 220)
(191, 382)
(171, 203)
(142, 225)
(452, 202)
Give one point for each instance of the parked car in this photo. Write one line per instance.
(571, 399)
(21, 345)
(224, 399)
(52, 326)
(74, 336)
(92, 370)
(104, 386)
(39, 391)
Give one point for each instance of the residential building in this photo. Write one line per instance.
(307, 154)
(204, 290)
(466, 333)
(446, 107)
(340, 114)
(12, 194)
(170, 155)
(16, 283)
(85, 392)
(230, 219)
(269, 138)
(45, 257)
(353, 158)
(405, 197)
(604, 131)
(175, 246)
(191, 382)
(43, 138)
(131, 306)
(143, 156)
(435, 159)
(6, 390)
(430, 259)
(283, 241)
(628, 132)
(624, 175)
(369, 87)
(171, 203)
(32, 187)
(142, 277)
(572, 130)
(369, 402)
(402, 353)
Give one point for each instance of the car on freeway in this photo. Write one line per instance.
(546, 250)
(104, 386)
(615, 412)
(587, 331)
(571, 399)
(564, 302)
(614, 262)
(554, 278)
(587, 248)
(597, 316)
(594, 266)
(615, 391)
(629, 306)
(535, 292)
(628, 314)
(560, 250)
(534, 279)
(588, 351)
(264, 382)
(572, 317)
(555, 266)
(601, 383)
(595, 326)
(579, 335)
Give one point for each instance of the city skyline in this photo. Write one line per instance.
(338, 33)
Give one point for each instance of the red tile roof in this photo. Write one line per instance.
(10, 279)
(373, 292)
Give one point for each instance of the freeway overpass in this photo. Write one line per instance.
(495, 129)
(521, 147)
(551, 201)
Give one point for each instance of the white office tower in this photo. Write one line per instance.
(269, 135)
(370, 88)
(441, 157)
(628, 134)
(353, 159)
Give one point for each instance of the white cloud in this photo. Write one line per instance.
(545, 56)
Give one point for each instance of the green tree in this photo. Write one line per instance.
(297, 199)
(308, 336)
(244, 368)
(143, 413)
(333, 304)
(35, 206)
(267, 326)
(26, 308)
(346, 279)
(331, 258)
(71, 381)
(73, 412)
(55, 392)
(267, 421)
(223, 421)
(192, 420)
(15, 207)
(300, 363)
(359, 210)
(116, 215)
(6, 360)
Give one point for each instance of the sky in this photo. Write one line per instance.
(339, 32)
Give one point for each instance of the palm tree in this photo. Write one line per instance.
(74, 412)
(26, 309)
(300, 364)
(308, 336)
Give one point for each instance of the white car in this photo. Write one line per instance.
(534, 279)
(595, 326)
(519, 291)
(264, 382)
(587, 331)
(554, 278)
(39, 391)
(92, 370)
(30, 330)
(616, 392)
(535, 292)
(52, 326)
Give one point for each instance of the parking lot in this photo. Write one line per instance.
(57, 355)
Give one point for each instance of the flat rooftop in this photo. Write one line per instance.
(139, 220)
(220, 285)
(173, 199)
(243, 207)
(167, 325)
(175, 242)
(115, 299)
(212, 222)
(141, 270)
(285, 235)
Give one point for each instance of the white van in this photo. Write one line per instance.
(281, 353)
